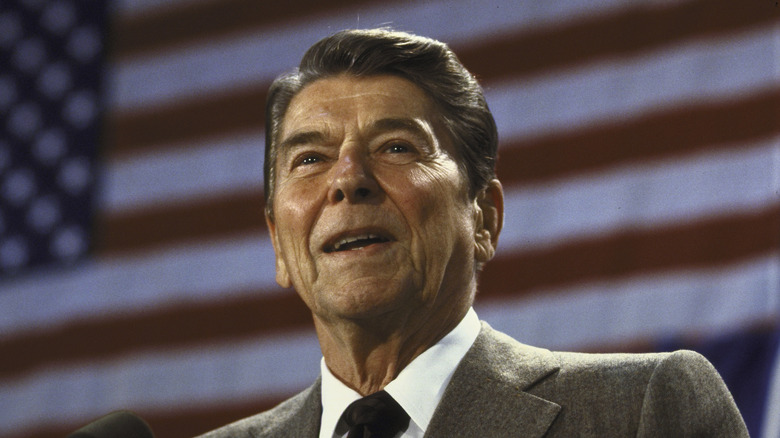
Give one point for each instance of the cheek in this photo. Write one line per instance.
(296, 202)
(436, 207)
(295, 211)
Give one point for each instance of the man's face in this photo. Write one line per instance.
(372, 215)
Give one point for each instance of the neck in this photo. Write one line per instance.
(367, 354)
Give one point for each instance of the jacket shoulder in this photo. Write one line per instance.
(606, 367)
(686, 394)
(298, 413)
(647, 395)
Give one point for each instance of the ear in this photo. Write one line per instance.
(282, 275)
(489, 218)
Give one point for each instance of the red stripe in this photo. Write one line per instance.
(187, 121)
(670, 132)
(714, 242)
(182, 324)
(233, 214)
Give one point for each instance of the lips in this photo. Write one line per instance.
(355, 240)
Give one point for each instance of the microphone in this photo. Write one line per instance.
(119, 424)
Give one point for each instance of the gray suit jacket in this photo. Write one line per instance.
(503, 388)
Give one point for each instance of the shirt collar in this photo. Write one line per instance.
(418, 388)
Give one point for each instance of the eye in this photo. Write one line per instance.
(398, 148)
(306, 160)
(311, 159)
(398, 152)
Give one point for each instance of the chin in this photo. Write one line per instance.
(368, 299)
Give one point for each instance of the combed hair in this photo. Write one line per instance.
(429, 64)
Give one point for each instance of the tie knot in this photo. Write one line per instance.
(375, 416)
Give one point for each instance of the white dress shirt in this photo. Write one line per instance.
(418, 388)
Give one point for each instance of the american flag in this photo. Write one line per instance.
(51, 102)
(639, 151)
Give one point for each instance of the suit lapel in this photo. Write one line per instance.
(309, 424)
(302, 420)
(486, 396)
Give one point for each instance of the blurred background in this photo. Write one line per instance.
(640, 155)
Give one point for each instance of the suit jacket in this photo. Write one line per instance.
(503, 388)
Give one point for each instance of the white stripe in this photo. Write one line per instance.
(257, 57)
(710, 70)
(581, 316)
(647, 195)
(186, 273)
(607, 91)
(184, 174)
(272, 367)
(641, 307)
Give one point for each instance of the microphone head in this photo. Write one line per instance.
(119, 424)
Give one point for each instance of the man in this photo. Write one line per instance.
(382, 206)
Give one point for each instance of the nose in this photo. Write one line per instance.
(352, 179)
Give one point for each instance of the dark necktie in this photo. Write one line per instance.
(375, 416)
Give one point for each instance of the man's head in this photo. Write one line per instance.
(382, 201)
(428, 63)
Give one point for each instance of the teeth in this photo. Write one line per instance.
(347, 240)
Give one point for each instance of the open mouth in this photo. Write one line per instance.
(351, 243)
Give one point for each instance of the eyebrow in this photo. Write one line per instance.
(400, 124)
(300, 138)
(389, 124)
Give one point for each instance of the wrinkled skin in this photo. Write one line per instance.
(368, 159)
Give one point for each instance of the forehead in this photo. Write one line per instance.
(358, 99)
